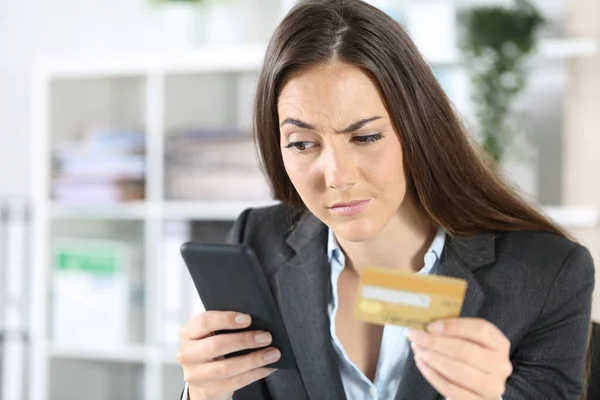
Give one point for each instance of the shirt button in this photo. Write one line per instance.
(373, 392)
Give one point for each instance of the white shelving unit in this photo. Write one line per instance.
(152, 79)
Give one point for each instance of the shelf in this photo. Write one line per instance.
(233, 59)
(549, 49)
(249, 58)
(120, 211)
(564, 48)
(222, 210)
(128, 354)
(573, 217)
(193, 210)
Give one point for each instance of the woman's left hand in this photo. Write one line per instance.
(463, 358)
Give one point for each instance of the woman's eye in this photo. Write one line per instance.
(368, 139)
(300, 146)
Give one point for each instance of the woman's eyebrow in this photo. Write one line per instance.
(351, 128)
(358, 124)
(298, 123)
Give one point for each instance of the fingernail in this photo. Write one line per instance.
(263, 337)
(271, 356)
(415, 335)
(243, 319)
(436, 327)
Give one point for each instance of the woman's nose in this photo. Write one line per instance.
(340, 170)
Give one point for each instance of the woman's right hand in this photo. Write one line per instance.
(208, 374)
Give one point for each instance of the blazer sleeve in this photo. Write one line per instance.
(549, 362)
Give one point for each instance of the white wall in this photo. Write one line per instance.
(35, 29)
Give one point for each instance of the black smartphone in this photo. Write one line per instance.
(228, 277)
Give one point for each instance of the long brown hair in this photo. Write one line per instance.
(450, 177)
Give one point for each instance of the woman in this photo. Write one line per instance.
(372, 166)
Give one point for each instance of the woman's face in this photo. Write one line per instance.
(341, 151)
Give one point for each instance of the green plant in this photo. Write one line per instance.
(496, 42)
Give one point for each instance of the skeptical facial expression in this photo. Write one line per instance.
(341, 151)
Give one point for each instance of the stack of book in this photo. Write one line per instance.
(218, 164)
(102, 167)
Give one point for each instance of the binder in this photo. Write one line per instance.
(14, 275)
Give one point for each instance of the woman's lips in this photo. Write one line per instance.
(349, 208)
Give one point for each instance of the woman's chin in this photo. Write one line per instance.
(355, 230)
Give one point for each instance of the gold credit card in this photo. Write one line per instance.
(386, 296)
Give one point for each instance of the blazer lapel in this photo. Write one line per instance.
(303, 289)
(461, 256)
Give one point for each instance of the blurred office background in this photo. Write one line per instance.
(126, 131)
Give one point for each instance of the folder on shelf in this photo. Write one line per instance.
(90, 284)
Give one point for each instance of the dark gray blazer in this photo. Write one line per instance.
(536, 287)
